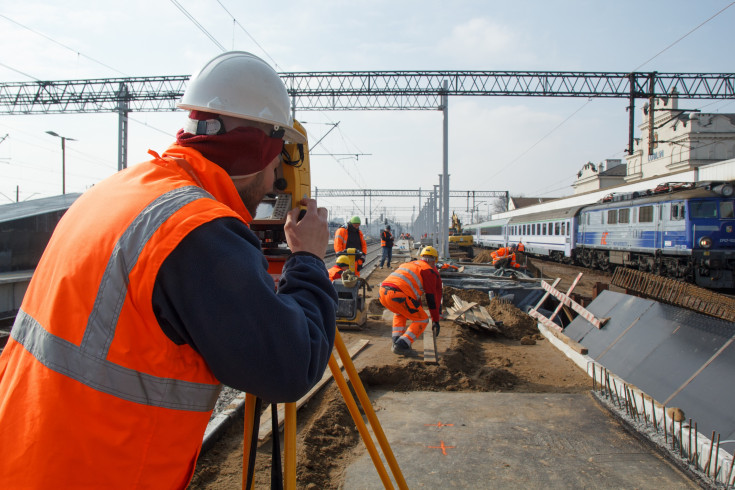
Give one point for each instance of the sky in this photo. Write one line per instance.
(529, 146)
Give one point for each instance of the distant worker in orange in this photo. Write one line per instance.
(386, 243)
(520, 247)
(342, 264)
(505, 257)
(350, 236)
(401, 293)
(451, 267)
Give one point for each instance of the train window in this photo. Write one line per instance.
(563, 228)
(675, 212)
(703, 209)
(543, 229)
(612, 216)
(624, 215)
(645, 214)
(556, 228)
(726, 209)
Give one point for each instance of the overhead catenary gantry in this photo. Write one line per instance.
(363, 90)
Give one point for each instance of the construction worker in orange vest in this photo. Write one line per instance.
(505, 257)
(450, 267)
(350, 236)
(341, 265)
(153, 292)
(386, 244)
(520, 247)
(401, 293)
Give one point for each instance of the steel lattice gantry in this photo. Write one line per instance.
(359, 90)
(364, 90)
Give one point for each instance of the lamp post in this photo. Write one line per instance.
(63, 158)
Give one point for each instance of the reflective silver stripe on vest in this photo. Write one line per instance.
(402, 278)
(87, 363)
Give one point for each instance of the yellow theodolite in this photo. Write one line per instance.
(293, 183)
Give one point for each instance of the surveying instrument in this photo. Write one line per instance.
(293, 183)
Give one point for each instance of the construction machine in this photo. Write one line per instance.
(459, 241)
(351, 294)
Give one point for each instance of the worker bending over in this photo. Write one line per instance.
(401, 293)
(341, 265)
(505, 257)
(350, 235)
(153, 292)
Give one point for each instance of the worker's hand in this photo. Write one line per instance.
(310, 233)
(435, 328)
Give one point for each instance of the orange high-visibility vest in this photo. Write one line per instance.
(335, 272)
(499, 254)
(407, 278)
(93, 393)
(340, 240)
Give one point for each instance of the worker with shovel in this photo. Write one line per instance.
(401, 293)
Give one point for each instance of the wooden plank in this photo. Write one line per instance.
(464, 306)
(583, 312)
(265, 429)
(569, 291)
(576, 346)
(546, 294)
(490, 320)
(429, 345)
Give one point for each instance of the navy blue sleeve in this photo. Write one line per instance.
(214, 293)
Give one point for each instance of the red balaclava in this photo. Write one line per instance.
(240, 151)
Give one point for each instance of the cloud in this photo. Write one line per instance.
(480, 42)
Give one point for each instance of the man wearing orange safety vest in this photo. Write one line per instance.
(153, 292)
(350, 236)
(505, 257)
(386, 244)
(401, 293)
(341, 265)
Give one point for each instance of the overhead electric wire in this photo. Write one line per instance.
(249, 35)
(20, 72)
(591, 99)
(682, 37)
(60, 44)
(196, 23)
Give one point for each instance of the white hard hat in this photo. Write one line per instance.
(241, 85)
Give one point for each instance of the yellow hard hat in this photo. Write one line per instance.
(343, 259)
(431, 251)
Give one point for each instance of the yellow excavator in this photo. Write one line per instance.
(458, 241)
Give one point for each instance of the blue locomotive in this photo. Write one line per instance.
(679, 230)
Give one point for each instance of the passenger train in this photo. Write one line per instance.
(680, 230)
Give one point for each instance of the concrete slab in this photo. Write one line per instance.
(510, 440)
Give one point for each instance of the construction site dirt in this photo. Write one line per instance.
(468, 360)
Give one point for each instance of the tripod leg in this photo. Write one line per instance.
(289, 448)
(359, 423)
(249, 445)
(367, 407)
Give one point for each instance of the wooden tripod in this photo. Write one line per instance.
(289, 428)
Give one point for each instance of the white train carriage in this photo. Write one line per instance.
(489, 234)
(549, 233)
